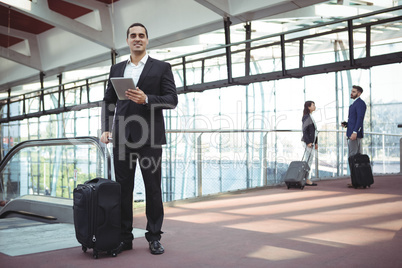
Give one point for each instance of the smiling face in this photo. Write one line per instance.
(137, 40)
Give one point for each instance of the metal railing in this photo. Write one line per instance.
(262, 158)
(195, 163)
(52, 166)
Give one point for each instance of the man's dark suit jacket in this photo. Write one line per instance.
(142, 124)
(356, 116)
(308, 130)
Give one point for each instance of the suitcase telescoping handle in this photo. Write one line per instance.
(305, 151)
(109, 168)
(107, 160)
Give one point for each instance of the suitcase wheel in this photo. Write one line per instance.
(95, 254)
(301, 188)
(84, 249)
(114, 252)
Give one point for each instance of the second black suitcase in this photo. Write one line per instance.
(97, 215)
(360, 171)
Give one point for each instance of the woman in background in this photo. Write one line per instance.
(309, 138)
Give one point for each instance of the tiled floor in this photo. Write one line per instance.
(325, 226)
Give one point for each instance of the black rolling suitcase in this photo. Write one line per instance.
(297, 173)
(97, 215)
(360, 171)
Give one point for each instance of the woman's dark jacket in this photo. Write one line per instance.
(308, 130)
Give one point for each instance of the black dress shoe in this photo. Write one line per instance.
(124, 246)
(312, 184)
(156, 247)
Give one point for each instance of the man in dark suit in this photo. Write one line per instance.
(138, 130)
(354, 130)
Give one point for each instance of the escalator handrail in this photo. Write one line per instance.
(57, 141)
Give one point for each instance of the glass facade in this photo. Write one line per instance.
(245, 136)
(240, 136)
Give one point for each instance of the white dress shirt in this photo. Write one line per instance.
(134, 71)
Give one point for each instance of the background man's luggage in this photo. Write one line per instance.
(360, 171)
(97, 215)
(296, 174)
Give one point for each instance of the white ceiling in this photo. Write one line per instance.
(75, 43)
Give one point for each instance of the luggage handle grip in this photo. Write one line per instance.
(93, 181)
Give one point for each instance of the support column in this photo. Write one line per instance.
(351, 46)
(283, 55)
(301, 53)
(60, 76)
(42, 99)
(265, 160)
(113, 55)
(400, 151)
(247, 73)
(339, 166)
(185, 74)
(248, 46)
(368, 41)
(199, 165)
(227, 24)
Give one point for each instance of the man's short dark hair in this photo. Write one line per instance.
(358, 88)
(137, 24)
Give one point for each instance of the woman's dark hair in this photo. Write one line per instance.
(137, 24)
(306, 105)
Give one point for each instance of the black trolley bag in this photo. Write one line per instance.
(297, 173)
(97, 218)
(360, 170)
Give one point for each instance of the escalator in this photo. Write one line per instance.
(37, 179)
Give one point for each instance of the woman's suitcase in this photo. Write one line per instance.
(360, 171)
(97, 215)
(297, 173)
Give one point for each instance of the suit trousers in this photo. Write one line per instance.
(354, 147)
(150, 161)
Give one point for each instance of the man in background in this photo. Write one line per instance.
(354, 125)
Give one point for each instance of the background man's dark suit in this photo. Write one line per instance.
(355, 119)
(138, 134)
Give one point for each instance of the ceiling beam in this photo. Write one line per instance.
(32, 60)
(219, 7)
(225, 8)
(39, 9)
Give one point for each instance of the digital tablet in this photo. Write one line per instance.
(121, 84)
